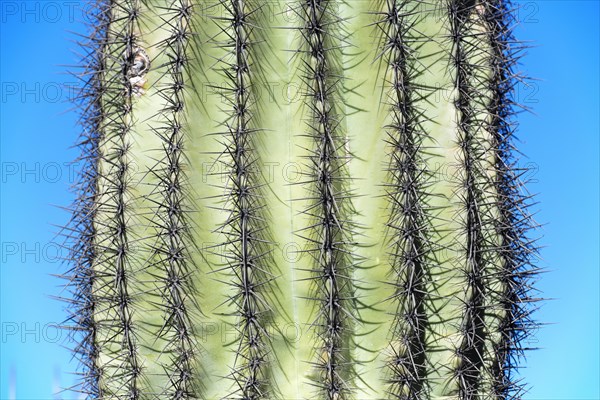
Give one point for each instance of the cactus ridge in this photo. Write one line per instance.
(80, 231)
(515, 225)
(407, 225)
(169, 211)
(247, 238)
(329, 233)
(484, 204)
(467, 82)
(114, 288)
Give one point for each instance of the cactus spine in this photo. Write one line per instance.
(300, 199)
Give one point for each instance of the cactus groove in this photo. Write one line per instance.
(300, 199)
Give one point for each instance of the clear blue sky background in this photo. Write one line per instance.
(560, 140)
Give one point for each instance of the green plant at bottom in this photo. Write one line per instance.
(299, 199)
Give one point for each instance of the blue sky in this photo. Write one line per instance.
(560, 140)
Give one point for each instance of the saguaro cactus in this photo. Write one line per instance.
(299, 199)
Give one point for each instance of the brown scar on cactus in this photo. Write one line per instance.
(136, 73)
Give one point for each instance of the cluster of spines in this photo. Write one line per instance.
(407, 223)
(247, 245)
(172, 247)
(515, 223)
(80, 231)
(330, 232)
